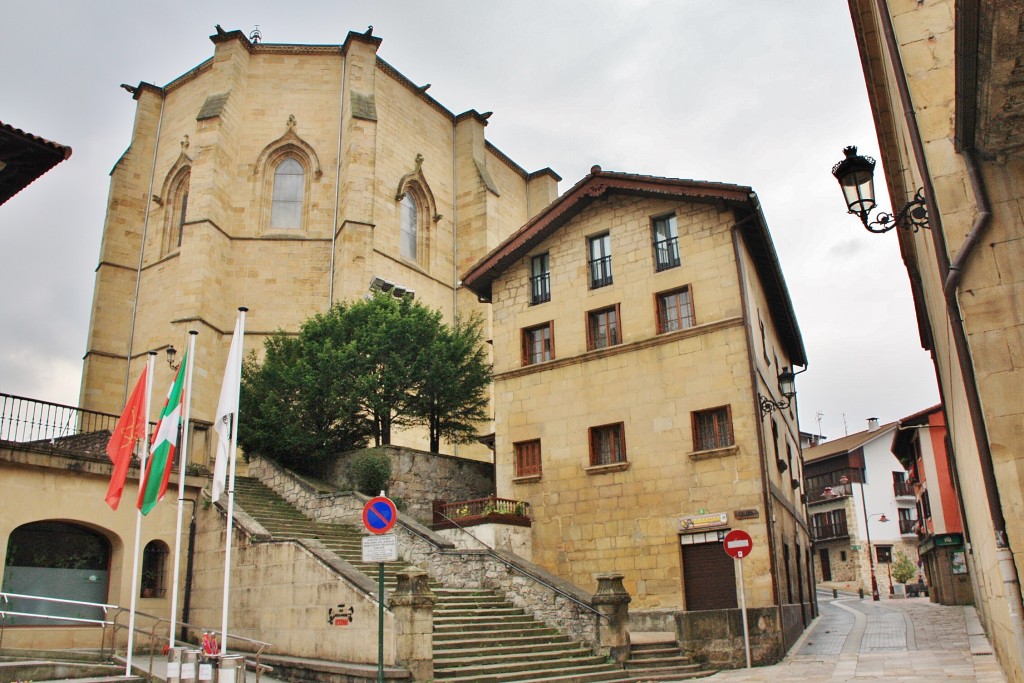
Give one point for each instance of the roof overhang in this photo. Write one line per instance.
(600, 184)
(23, 158)
(989, 87)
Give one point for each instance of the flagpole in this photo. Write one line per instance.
(231, 487)
(182, 462)
(150, 368)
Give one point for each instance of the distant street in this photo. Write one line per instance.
(896, 640)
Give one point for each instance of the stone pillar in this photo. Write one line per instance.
(412, 603)
(612, 601)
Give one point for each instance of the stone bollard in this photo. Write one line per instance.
(612, 601)
(412, 603)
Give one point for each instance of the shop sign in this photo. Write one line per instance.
(708, 520)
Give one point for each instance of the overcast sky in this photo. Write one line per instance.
(751, 92)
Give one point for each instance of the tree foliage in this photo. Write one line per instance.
(357, 371)
(452, 399)
(903, 568)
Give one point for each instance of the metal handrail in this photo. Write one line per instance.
(4, 613)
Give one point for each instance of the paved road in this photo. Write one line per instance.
(895, 640)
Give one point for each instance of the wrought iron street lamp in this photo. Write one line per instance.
(787, 386)
(172, 353)
(856, 176)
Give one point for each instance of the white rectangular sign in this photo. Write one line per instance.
(383, 548)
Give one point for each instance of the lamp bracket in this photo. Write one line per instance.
(913, 216)
(768, 405)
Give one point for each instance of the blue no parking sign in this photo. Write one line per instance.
(379, 515)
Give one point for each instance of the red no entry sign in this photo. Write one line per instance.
(738, 544)
(379, 515)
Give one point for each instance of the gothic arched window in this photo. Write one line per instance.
(289, 188)
(176, 211)
(410, 227)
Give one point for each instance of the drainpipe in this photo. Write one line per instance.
(142, 248)
(337, 180)
(952, 275)
(455, 239)
(769, 508)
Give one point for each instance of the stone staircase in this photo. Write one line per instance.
(479, 637)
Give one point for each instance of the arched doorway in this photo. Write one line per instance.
(56, 560)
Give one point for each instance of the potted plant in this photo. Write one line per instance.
(903, 569)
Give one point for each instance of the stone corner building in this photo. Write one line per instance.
(285, 178)
(637, 323)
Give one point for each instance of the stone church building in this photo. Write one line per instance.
(285, 178)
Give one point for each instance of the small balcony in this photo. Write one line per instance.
(491, 510)
(600, 272)
(666, 253)
(909, 527)
(825, 494)
(540, 288)
(829, 532)
(903, 488)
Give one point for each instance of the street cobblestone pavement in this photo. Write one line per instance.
(904, 641)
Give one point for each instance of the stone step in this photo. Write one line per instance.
(492, 650)
(443, 634)
(447, 646)
(484, 668)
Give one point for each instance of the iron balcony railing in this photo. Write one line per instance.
(540, 288)
(908, 526)
(825, 532)
(903, 488)
(41, 423)
(666, 253)
(600, 272)
(480, 511)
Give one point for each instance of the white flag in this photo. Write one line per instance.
(227, 413)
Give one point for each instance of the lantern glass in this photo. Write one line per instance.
(787, 383)
(856, 176)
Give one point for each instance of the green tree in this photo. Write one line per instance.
(452, 398)
(392, 337)
(356, 372)
(903, 568)
(297, 407)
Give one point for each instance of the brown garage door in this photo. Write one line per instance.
(709, 580)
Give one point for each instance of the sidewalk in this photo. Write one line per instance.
(896, 640)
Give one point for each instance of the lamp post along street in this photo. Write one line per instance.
(867, 531)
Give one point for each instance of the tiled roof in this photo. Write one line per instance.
(24, 158)
(600, 183)
(847, 443)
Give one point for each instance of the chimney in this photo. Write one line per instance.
(872, 424)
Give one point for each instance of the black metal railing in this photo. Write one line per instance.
(903, 488)
(666, 253)
(826, 532)
(540, 288)
(824, 494)
(600, 272)
(908, 526)
(26, 420)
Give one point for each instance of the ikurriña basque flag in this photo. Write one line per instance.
(165, 442)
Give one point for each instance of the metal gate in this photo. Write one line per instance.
(709, 578)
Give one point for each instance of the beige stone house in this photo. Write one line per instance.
(944, 82)
(641, 326)
(284, 178)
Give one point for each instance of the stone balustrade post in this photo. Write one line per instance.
(412, 603)
(612, 601)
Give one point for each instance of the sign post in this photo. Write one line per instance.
(379, 517)
(738, 545)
